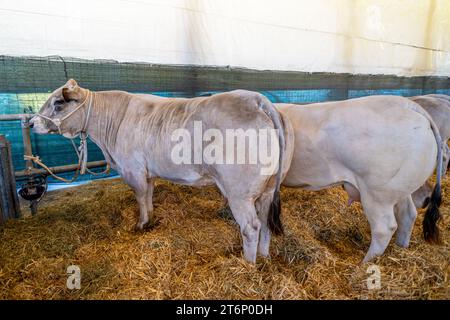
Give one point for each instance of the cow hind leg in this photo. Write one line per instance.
(382, 226)
(405, 214)
(244, 213)
(262, 207)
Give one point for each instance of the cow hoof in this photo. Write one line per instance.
(141, 227)
(251, 261)
(367, 258)
(402, 243)
(265, 256)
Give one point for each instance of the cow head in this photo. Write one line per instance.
(59, 114)
(421, 197)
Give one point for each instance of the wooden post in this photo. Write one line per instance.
(9, 202)
(28, 151)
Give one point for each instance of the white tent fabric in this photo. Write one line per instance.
(406, 37)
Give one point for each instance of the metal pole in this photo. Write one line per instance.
(27, 150)
(10, 117)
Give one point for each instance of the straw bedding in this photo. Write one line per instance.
(194, 250)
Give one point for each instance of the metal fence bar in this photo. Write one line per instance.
(27, 149)
(58, 169)
(19, 116)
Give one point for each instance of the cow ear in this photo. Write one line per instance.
(71, 90)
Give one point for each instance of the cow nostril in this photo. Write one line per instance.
(426, 202)
(31, 124)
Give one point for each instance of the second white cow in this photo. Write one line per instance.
(381, 149)
(438, 107)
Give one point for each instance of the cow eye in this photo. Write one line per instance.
(59, 104)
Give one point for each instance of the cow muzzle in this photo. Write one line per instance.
(38, 125)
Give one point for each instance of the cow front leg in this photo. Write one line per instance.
(244, 213)
(141, 197)
(405, 214)
(138, 182)
(151, 217)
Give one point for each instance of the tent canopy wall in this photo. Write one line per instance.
(406, 37)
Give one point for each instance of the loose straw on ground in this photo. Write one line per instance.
(193, 252)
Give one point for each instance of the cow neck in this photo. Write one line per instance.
(108, 110)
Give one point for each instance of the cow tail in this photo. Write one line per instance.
(274, 215)
(432, 215)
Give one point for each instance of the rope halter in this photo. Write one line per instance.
(58, 122)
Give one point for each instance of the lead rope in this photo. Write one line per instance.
(38, 161)
(81, 151)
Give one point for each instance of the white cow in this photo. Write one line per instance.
(438, 96)
(135, 133)
(381, 149)
(438, 106)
